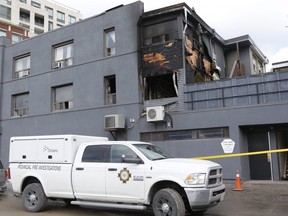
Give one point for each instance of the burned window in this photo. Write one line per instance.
(163, 86)
(160, 33)
(110, 89)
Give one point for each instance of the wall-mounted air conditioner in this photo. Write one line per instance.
(156, 113)
(58, 64)
(114, 122)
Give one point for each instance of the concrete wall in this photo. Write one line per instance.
(87, 75)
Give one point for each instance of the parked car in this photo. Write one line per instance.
(3, 183)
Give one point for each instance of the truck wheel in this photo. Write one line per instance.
(168, 202)
(34, 198)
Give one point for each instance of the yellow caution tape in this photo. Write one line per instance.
(241, 154)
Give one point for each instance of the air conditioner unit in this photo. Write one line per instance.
(156, 113)
(58, 64)
(114, 122)
(22, 73)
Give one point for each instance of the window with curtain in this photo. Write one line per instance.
(22, 66)
(63, 55)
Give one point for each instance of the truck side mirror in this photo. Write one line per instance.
(131, 160)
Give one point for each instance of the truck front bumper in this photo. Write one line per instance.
(203, 198)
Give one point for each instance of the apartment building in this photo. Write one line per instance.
(163, 76)
(33, 17)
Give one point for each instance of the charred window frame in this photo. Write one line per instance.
(110, 89)
(160, 39)
(163, 86)
(110, 41)
(160, 33)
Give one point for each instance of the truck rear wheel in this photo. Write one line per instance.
(34, 198)
(168, 202)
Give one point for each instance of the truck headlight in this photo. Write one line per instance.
(195, 179)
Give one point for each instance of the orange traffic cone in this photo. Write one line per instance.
(238, 184)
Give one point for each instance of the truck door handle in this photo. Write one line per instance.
(79, 168)
(112, 169)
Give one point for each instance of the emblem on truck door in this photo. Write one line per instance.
(124, 175)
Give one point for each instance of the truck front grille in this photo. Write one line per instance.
(215, 177)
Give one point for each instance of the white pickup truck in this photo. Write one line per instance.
(92, 171)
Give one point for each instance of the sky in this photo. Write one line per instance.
(266, 21)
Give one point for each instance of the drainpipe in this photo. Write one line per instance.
(184, 40)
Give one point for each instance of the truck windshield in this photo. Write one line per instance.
(152, 152)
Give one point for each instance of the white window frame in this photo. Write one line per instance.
(22, 66)
(63, 55)
(110, 41)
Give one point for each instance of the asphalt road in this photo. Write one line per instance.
(255, 200)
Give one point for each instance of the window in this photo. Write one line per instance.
(60, 17)
(6, 2)
(110, 89)
(39, 20)
(63, 98)
(38, 31)
(24, 15)
(50, 12)
(206, 133)
(120, 151)
(160, 38)
(95, 153)
(35, 4)
(2, 33)
(5, 12)
(110, 45)
(20, 104)
(50, 26)
(160, 33)
(63, 55)
(22, 66)
(16, 38)
(72, 19)
(163, 86)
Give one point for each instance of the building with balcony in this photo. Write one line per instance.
(33, 17)
(163, 76)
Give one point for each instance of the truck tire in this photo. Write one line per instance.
(34, 198)
(168, 202)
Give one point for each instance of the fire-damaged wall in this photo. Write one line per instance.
(159, 67)
(159, 63)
